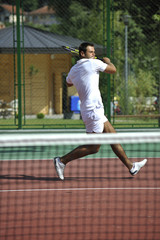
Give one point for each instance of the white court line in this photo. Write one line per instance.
(78, 189)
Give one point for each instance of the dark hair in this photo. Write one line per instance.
(83, 47)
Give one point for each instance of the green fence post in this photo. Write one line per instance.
(19, 65)
(108, 55)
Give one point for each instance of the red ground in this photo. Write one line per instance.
(96, 205)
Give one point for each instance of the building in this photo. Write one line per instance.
(44, 69)
(43, 16)
(8, 13)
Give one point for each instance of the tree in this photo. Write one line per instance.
(142, 89)
(143, 48)
(30, 5)
(84, 20)
(7, 2)
(79, 19)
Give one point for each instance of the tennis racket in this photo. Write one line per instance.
(71, 50)
(75, 51)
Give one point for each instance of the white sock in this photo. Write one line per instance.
(61, 162)
(132, 169)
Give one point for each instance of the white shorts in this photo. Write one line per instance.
(94, 120)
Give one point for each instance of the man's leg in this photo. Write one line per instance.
(79, 152)
(117, 148)
(135, 167)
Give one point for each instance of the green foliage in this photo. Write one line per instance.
(40, 115)
(33, 70)
(143, 85)
(30, 5)
(85, 20)
(141, 89)
(143, 58)
(156, 17)
(77, 20)
(7, 1)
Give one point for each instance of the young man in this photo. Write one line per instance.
(85, 77)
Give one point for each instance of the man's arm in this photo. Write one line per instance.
(69, 84)
(110, 67)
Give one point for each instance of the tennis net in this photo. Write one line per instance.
(98, 199)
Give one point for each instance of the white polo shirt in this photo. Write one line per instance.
(85, 77)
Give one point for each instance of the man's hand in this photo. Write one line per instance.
(110, 67)
(106, 60)
(69, 84)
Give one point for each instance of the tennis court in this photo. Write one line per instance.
(99, 199)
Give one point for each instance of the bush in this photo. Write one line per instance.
(40, 115)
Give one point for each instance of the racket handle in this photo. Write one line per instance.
(99, 58)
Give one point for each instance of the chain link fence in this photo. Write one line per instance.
(136, 55)
(125, 31)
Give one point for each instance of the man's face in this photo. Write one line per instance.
(90, 52)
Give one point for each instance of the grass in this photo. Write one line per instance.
(76, 124)
(43, 123)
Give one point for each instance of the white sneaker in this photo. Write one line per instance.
(59, 166)
(137, 166)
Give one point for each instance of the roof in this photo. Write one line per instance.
(10, 8)
(43, 10)
(39, 41)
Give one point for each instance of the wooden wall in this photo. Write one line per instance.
(6, 77)
(43, 81)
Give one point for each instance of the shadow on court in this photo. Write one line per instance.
(26, 177)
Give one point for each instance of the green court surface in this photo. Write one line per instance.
(150, 150)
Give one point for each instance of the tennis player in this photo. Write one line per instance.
(84, 75)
